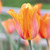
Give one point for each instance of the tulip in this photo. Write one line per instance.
(44, 30)
(27, 23)
(0, 6)
(8, 25)
(45, 26)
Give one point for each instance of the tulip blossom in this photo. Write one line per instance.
(0, 6)
(27, 22)
(8, 25)
(45, 26)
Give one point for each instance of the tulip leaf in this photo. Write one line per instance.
(1, 43)
(6, 45)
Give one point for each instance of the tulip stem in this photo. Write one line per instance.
(30, 44)
(48, 44)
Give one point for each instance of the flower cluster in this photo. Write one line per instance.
(29, 22)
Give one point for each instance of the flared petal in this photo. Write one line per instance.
(14, 14)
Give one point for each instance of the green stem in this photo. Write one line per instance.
(1, 44)
(12, 41)
(30, 44)
(11, 46)
(6, 45)
(18, 43)
(48, 44)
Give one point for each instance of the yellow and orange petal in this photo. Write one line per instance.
(45, 26)
(14, 14)
(39, 7)
(8, 25)
(28, 21)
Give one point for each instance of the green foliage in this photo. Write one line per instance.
(4, 17)
(18, 3)
(37, 46)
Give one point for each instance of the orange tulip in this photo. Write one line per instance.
(0, 6)
(45, 26)
(8, 25)
(27, 23)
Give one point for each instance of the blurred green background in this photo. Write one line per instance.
(18, 3)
